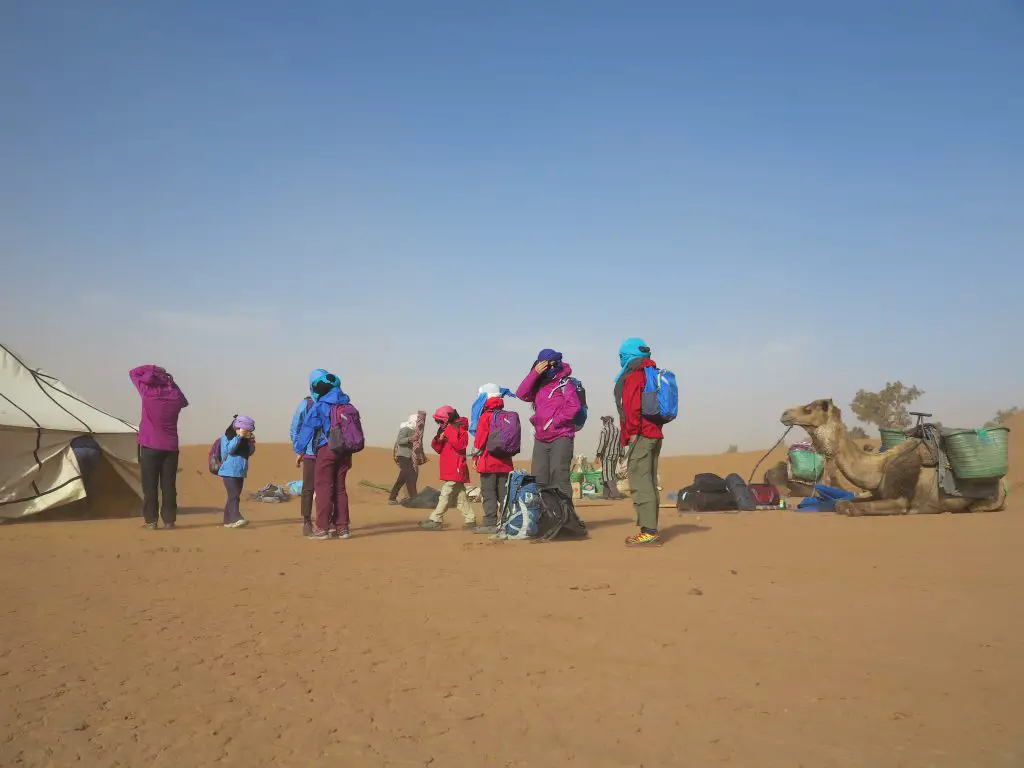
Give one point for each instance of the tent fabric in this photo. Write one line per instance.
(39, 417)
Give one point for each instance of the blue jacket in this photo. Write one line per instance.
(300, 413)
(317, 422)
(232, 465)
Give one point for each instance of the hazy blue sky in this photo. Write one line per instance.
(788, 199)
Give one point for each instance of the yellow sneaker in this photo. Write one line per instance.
(644, 539)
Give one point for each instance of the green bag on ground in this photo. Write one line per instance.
(807, 466)
(977, 454)
(592, 483)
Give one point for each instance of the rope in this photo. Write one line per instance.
(769, 453)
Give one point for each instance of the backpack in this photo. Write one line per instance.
(580, 420)
(346, 434)
(504, 439)
(558, 516)
(692, 499)
(214, 458)
(740, 493)
(765, 495)
(659, 401)
(520, 509)
(707, 493)
(708, 482)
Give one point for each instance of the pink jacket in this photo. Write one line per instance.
(162, 401)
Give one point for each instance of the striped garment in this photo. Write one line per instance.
(608, 451)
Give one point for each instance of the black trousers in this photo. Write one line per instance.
(308, 482)
(407, 476)
(159, 473)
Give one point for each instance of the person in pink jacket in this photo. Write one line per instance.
(162, 401)
(556, 406)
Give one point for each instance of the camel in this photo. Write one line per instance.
(895, 482)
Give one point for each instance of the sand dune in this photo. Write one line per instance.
(764, 639)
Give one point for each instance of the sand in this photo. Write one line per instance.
(763, 639)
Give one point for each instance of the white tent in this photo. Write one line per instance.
(39, 417)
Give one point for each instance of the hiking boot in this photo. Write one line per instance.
(644, 539)
(149, 526)
(307, 528)
(392, 502)
(342, 533)
(485, 529)
(469, 526)
(168, 526)
(239, 523)
(431, 525)
(318, 536)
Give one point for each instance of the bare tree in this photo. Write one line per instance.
(857, 433)
(888, 407)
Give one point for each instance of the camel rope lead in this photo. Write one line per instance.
(777, 444)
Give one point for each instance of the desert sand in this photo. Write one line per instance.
(761, 639)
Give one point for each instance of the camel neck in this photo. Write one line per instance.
(832, 441)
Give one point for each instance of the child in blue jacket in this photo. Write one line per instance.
(236, 446)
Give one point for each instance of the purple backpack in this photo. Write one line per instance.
(505, 436)
(346, 435)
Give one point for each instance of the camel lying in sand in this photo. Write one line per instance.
(895, 482)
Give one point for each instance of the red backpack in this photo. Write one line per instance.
(765, 495)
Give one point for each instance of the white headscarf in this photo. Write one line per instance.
(491, 390)
(411, 423)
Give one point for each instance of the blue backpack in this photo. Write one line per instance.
(581, 415)
(659, 401)
(520, 509)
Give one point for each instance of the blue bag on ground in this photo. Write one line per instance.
(824, 499)
(520, 510)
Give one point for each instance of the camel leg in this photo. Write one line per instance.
(875, 508)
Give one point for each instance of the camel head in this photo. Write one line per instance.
(823, 422)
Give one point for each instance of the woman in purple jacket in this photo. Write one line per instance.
(162, 401)
(555, 407)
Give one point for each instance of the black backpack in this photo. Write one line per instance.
(741, 494)
(558, 516)
(695, 500)
(707, 493)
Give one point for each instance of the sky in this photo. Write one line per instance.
(787, 200)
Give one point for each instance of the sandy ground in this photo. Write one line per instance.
(762, 639)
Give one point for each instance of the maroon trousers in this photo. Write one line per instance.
(331, 494)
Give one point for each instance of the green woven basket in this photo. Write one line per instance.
(807, 465)
(977, 454)
(892, 437)
(575, 477)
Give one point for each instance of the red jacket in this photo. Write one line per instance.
(631, 424)
(485, 462)
(452, 444)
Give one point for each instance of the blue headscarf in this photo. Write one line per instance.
(632, 349)
(487, 391)
(319, 374)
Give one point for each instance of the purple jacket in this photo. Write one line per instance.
(555, 404)
(162, 401)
